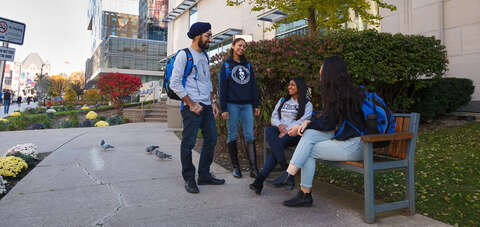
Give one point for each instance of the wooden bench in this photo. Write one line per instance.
(400, 154)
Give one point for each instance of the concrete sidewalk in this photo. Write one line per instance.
(79, 185)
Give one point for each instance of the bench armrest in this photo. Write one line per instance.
(387, 137)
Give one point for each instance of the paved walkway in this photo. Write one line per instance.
(79, 185)
(14, 107)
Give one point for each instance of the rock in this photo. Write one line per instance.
(36, 126)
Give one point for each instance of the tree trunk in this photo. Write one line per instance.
(312, 22)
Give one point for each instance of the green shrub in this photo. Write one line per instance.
(114, 120)
(3, 125)
(66, 124)
(390, 65)
(102, 118)
(75, 123)
(443, 96)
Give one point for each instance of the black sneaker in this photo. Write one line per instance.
(210, 180)
(191, 186)
(300, 200)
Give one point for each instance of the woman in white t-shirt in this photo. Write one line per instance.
(293, 109)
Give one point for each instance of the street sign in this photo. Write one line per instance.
(7, 54)
(12, 31)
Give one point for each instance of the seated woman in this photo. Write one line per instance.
(342, 102)
(293, 109)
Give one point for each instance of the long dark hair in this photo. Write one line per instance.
(302, 98)
(242, 57)
(339, 95)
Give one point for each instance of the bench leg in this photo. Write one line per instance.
(368, 183)
(410, 185)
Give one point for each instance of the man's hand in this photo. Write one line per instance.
(302, 127)
(225, 116)
(216, 111)
(196, 108)
(257, 112)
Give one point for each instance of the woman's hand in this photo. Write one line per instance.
(283, 130)
(225, 115)
(302, 127)
(293, 130)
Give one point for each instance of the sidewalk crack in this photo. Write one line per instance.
(117, 193)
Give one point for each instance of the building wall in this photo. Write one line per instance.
(455, 22)
(221, 17)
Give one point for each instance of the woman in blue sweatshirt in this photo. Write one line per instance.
(342, 101)
(291, 110)
(238, 100)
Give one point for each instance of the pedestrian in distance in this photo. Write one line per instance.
(7, 99)
(198, 108)
(239, 101)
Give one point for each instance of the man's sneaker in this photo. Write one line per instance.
(191, 186)
(210, 180)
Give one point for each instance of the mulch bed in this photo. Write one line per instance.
(13, 181)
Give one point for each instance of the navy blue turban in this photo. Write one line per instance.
(198, 29)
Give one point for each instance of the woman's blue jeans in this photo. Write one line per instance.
(319, 145)
(244, 113)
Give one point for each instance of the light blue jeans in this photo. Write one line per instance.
(319, 145)
(244, 112)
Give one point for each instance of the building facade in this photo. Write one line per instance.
(151, 15)
(21, 76)
(139, 57)
(456, 23)
(116, 27)
(124, 20)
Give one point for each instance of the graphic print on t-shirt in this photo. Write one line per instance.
(240, 74)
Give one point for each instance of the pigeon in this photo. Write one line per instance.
(151, 148)
(163, 156)
(105, 146)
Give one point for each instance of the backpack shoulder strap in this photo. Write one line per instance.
(206, 55)
(227, 70)
(189, 65)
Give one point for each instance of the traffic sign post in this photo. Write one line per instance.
(10, 32)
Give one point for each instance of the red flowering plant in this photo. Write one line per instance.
(116, 86)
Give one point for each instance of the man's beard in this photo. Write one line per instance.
(203, 44)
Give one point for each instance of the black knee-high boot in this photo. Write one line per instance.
(252, 158)
(232, 150)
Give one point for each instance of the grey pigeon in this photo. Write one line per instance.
(163, 156)
(105, 146)
(151, 148)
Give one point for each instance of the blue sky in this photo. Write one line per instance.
(56, 29)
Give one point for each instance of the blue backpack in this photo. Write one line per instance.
(378, 117)
(169, 70)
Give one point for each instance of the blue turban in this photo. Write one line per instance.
(198, 29)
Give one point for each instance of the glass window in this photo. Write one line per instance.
(193, 15)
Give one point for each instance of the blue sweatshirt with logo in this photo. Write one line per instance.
(238, 86)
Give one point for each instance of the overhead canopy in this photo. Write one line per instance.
(273, 15)
(179, 10)
(225, 35)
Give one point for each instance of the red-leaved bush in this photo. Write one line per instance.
(115, 86)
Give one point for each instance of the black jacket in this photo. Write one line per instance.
(240, 86)
(329, 122)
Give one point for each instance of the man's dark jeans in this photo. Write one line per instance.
(191, 123)
(6, 106)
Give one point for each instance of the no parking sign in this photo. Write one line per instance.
(12, 31)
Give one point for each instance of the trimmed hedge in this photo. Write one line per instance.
(443, 96)
(390, 65)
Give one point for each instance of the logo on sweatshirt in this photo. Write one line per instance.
(241, 74)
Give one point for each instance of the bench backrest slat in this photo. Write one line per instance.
(397, 149)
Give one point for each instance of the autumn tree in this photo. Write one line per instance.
(58, 84)
(116, 86)
(76, 81)
(70, 95)
(321, 14)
